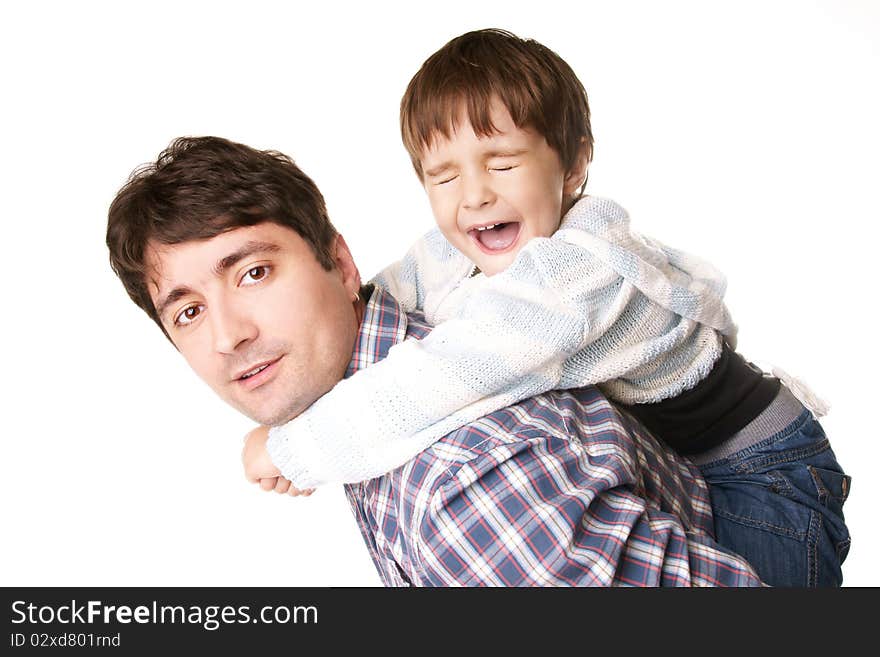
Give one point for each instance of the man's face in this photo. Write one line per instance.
(257, 317)
(491, 195)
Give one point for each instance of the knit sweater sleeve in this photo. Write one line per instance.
(501, 339)
(423, 279)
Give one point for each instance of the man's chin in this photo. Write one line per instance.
(270, 417)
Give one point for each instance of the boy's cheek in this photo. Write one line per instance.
(444, 214)
(450, 236)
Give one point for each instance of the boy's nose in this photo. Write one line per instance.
(477, 193)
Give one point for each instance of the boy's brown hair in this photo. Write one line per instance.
(535, 84)
(200, 187)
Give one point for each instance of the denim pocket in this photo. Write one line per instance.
(832, 487)
(822, 489)
(780, 504)
(767, 501)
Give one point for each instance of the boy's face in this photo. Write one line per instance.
(257, 317)
(491, 195)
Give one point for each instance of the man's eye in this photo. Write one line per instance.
(188, 315)
(255, 275)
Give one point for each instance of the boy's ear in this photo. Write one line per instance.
(576, 176)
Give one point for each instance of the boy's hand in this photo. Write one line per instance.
(259, 469)
(255, 457)
(282, 485)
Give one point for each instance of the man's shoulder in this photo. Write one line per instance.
(552, 426)
(573, 444)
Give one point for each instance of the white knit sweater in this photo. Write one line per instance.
(596, 303)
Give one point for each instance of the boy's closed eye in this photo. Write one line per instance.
(449, 179)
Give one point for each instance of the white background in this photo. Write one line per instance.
(746, 132)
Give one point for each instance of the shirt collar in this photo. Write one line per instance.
(383, 326)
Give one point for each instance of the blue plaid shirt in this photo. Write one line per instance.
(558, 490)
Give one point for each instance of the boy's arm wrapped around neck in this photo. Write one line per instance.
(504, 338)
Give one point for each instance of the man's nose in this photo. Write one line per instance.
(231, 327)
(477, 190)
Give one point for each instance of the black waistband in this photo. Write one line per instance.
(732, 395)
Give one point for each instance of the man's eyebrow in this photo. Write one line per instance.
(219, 269)
(172, 297)
(247, 250)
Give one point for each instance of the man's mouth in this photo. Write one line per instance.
(258, 374)
(254, 371)
(496, 238)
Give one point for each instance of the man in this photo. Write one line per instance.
(230, 251)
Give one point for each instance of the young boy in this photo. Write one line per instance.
(498, 131)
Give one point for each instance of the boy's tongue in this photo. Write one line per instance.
(498, 238)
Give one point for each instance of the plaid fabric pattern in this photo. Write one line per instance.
(558, 490)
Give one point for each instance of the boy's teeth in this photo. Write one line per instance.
(482, 228)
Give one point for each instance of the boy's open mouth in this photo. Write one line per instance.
(496, 238)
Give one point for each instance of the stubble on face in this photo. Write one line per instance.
(301, 315)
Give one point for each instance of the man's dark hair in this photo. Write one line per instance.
(200, 187)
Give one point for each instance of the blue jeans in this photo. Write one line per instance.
(779, 504)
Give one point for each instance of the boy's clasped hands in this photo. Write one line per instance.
(259, 469)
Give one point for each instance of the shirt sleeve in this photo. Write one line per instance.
(543, 513)
(501, 339)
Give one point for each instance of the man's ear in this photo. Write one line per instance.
(351, 277)
(577, 175)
